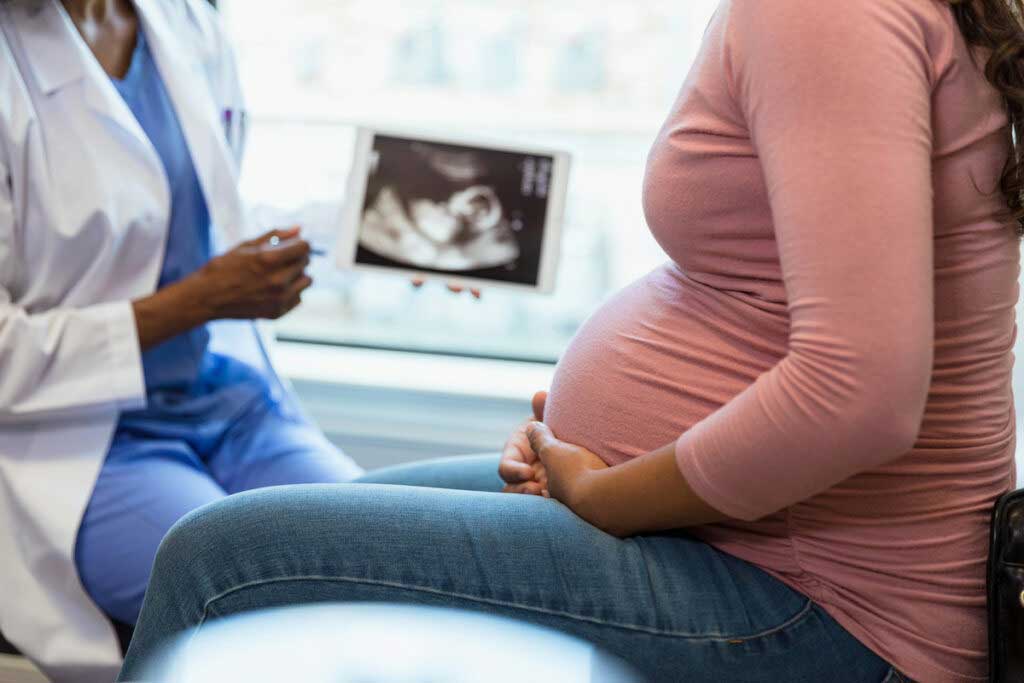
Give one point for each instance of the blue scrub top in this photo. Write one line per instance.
(183, 378)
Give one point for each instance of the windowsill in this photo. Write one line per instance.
(412, 372)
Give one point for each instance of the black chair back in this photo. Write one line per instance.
(124, 638)
(1006, 590)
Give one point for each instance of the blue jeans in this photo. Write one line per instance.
(673, 607)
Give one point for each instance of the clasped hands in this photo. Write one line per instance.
(535, 462)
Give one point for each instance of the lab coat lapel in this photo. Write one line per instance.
(59, 58)
(199, 117)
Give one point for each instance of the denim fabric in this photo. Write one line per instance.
(673, 607)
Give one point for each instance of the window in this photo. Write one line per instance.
(595, 78)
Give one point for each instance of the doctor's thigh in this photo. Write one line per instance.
(148, 484)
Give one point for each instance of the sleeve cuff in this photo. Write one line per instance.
(127, 383)
(689, 464)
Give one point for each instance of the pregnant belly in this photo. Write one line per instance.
(657, 358)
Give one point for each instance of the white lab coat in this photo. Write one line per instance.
(84, 210)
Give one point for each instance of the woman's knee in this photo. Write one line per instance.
(219, 527)
(189, 540)
(283, 529)
(295, 531)
(203, 541)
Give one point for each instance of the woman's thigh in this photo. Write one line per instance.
(143, 488)
(672, 606)
(464, 472)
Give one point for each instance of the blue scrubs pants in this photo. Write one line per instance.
(166, 462)
(212, 426)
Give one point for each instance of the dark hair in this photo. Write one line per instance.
(998, 28)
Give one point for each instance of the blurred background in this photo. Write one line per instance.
(594, 78)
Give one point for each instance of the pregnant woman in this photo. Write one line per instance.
(773, 458)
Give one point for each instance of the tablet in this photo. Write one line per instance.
(470, 213)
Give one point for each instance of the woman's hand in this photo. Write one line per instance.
(520, 468)
(643, 495)
(261, 278)
(569, 468)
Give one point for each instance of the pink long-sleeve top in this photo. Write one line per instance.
(832, 337)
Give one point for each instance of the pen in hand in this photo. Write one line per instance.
(313, 251)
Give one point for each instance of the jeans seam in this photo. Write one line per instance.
(803, 613)
(647, 568)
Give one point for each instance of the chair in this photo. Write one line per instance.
(1006, 590)
(6, 648)
(124, 636)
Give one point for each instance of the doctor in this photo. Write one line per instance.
(123, 405)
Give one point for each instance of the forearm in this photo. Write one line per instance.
(261, 278)
(646, 494)
(171, 311)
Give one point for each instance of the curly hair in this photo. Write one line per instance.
(997, 26)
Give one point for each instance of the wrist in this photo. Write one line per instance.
(589, 501)
(169, 312)
(193, 296)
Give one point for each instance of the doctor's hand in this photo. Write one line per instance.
(520, 468)
(454, 289)
(261, 278)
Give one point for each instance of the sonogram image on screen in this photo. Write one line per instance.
(455, 209)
